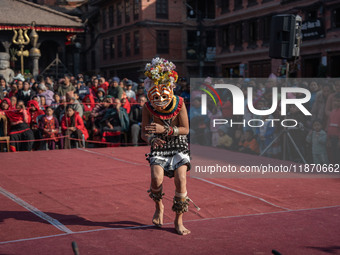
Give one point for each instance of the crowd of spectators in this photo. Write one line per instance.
(47, 113)
(316, 136)
(66, 112)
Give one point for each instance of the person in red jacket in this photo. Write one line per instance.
(72, 125)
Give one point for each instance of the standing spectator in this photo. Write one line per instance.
(329, 104)
(72, 125)
(136, 119)
(318, 139)
(129, 92)
(313, 88)
(214, 114)
(65, 86)
(333, 135)
(318, 110)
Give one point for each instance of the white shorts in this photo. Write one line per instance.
(170, 164)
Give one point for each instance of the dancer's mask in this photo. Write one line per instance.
(160, 82)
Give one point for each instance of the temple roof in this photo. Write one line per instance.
(20, 14)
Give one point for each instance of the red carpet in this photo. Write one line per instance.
(94, 192)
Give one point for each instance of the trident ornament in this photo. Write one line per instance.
(22, 39)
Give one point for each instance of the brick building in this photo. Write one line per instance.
(128, 33)
(244, 33)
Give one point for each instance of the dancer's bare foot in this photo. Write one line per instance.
(158, 216)
(180, 229)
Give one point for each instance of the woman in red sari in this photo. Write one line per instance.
(19, 120)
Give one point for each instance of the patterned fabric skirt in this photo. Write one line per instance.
(170, 163)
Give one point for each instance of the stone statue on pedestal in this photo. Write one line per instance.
(5, 71)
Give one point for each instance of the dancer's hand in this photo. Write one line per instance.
(157, 143)
(154, 128)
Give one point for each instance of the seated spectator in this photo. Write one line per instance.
(5, 105)
(3, 87)
(100, 95)
(26, 93)
(224, 140)
(136, 119)
(72, 125)
(88, 103)
(48, 94)
(19, 128)
(56, 101)
(98, 114)
(236, 140)
(125, 103)
(60, 110)
(49, 127)
(114, 89)
(14, 101)
(103, 84)
(82, 90)
(71, 100)
(94, 87)
(35, 113)
(115, 120)
(248, 143)
(14, 90)
(42, 102)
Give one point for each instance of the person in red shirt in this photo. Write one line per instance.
(72, 125)
(333, 130)
(19, 120)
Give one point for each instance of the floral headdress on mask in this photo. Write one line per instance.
(159, 84)
(162, 71)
